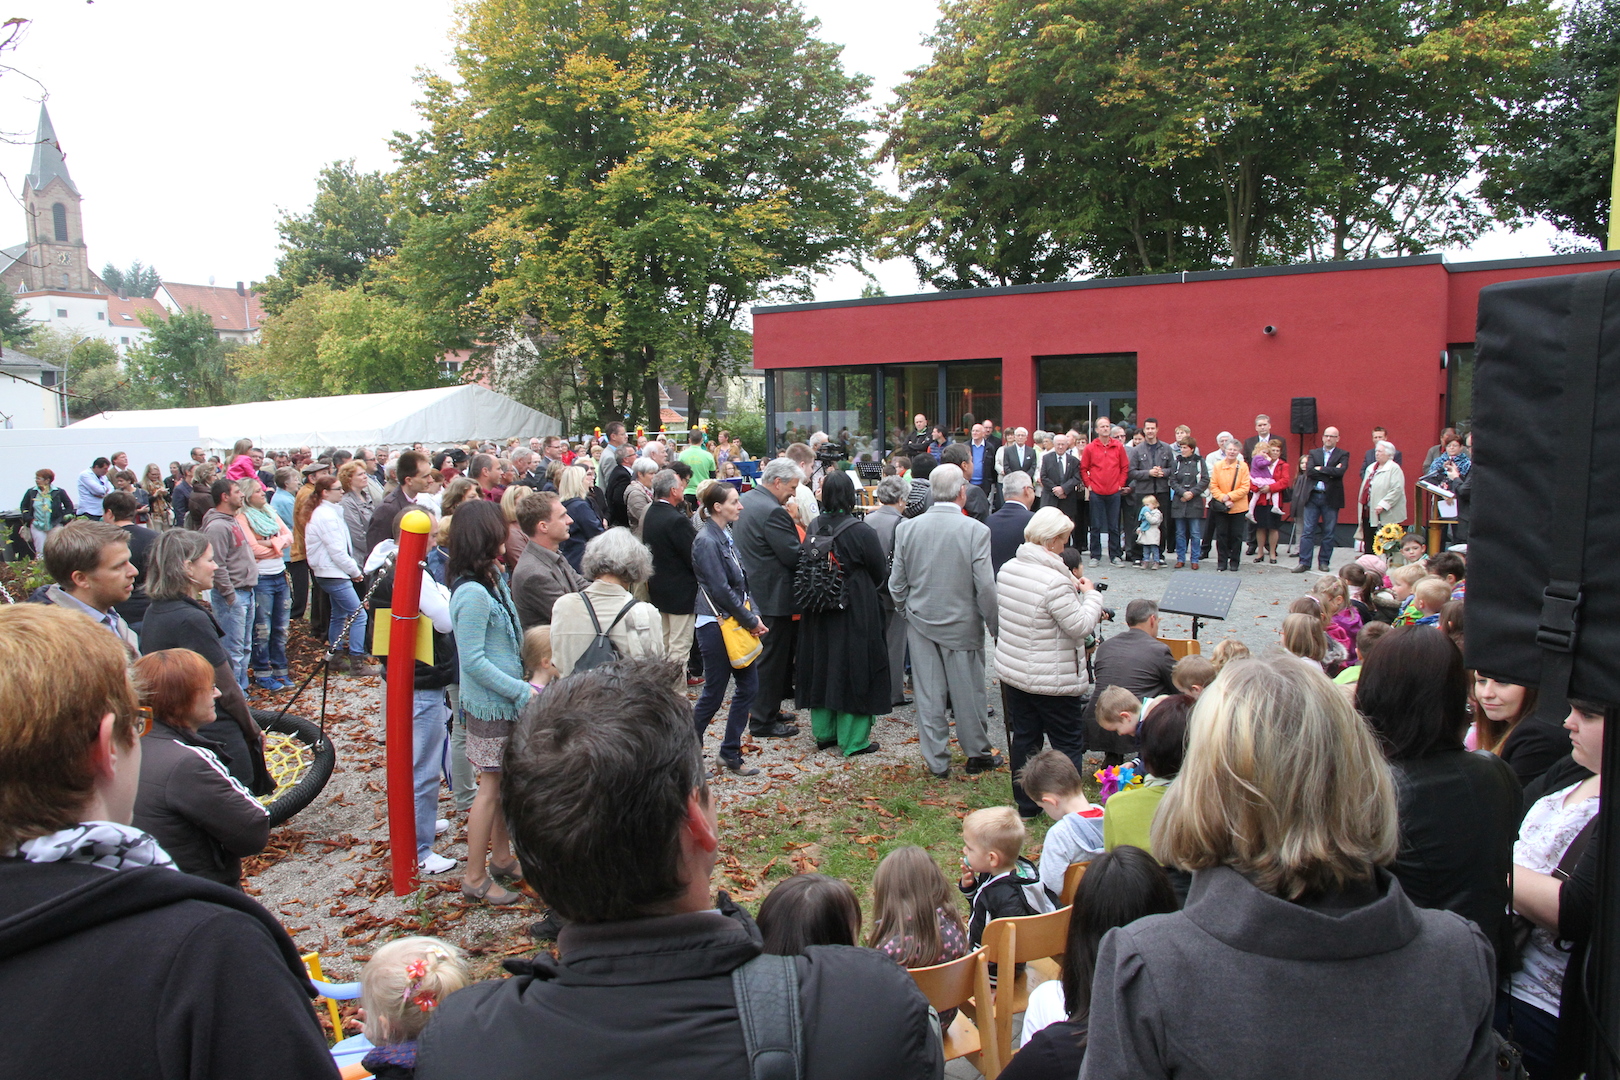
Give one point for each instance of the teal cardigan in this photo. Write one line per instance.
(488, 645)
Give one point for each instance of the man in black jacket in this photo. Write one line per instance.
(917, 442)
(1324, 470)
(768, 545)
(618, 479)
(1136, 660)
(1150, 466)
(412, 473)
(1007, 524)
(668, 533)
(614, 823)
(1060, 479)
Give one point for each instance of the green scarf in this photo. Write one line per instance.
(263, 519)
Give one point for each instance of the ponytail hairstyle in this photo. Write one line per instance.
(404, 982)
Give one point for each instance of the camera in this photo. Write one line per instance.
(1100, 586)
(829, 452)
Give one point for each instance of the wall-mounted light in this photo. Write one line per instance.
(1268, 330)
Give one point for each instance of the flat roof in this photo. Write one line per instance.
(1201, 275)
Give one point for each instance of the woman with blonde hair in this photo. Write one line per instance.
(1296, 945)
(357, 507)
(573, 487)
(516, 539)
(1303, 637)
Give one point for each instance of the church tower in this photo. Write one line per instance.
(57, 259)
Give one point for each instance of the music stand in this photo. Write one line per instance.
(1203, 596)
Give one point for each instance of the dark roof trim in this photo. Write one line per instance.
(1201, 275)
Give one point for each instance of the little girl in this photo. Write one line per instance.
(401, 985)
(915, 919)
(1227, 650)
(1147, 531)
(537, 665)
(1341, 620)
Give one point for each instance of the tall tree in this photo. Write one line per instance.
(181, 363)
(1143, 135)
(17, 330)
(1555, 157)
(639, 171)
(342, 341)
(138, 280)
(345, 231)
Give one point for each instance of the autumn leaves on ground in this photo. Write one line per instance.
(325, 872)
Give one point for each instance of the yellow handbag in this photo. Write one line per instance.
(741, 645)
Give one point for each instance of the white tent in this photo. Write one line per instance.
(438, 416)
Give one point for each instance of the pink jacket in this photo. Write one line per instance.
(241, 468)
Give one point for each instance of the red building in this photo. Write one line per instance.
(1385, 342)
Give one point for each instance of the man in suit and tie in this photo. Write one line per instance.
(1323, 470)
(1007, 524)
(668, 532)
(1060, 480)
(942, 584)
(768, 545)
(1016, 455)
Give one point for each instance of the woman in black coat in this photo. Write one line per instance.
(842, 671)
(1189, 482)
(1459, 810)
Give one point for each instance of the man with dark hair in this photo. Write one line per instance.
(411, 472)
(1150, 465)
(668, 533)
(614, 433)
(120, 509)
(91, 564)
(542, 576)
(613, 822)
(485, 471)
(977, 506)
(94, 485)
(236, 573)
(1136, 660)
(618, 481)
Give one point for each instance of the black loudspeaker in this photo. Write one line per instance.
(1543, 577)
(1302, 416)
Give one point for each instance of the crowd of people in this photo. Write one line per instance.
(1350, 851)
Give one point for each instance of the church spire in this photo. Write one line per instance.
(48, 160)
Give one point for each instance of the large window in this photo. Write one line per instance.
(59, 221)
(971, 390)
(1076, 390)
(799, 404)
(907, 391)
(851, 414)
(1460, 386)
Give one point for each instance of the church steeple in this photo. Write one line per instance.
(49, 163)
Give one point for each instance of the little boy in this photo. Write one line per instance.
(1051, 779)
(1454, 568)
(1191, 674)
(1002, 883)
(1428, 597)
(1414, 552)
(1403, 579)
(1118, 710)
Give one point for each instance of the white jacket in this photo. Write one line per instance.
(1044, 623)
(327, 546)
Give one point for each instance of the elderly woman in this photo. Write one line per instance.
(1189, 481)
(885, 520)
(96, 918)
(357, 506)
(614, 563)
(1229, 504)
(205, 820)
(1296, 944)
(842, 670)
(1045, 612)
(1383, 494)
(638, 495)
(723, 593)
(573, 487)
(180, 567)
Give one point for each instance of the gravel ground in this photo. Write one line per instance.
(326, 872)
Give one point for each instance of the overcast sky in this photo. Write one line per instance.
(188, 124)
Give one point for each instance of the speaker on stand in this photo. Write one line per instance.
(1301, 422)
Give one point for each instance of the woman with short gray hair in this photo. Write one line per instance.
(1383, 494)
(615, 562)
(885, 520)
(639, 494)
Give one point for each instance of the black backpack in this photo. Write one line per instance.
(818, 580)
(601, 650)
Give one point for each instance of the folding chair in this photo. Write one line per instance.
(956, 985)
(1037, 941)
(1071, 882)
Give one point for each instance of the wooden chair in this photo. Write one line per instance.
(1036, 941)
(955, 985)
(1071, 882)
(1180, 647)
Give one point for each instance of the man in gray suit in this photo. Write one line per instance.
(768, 545)
(891, 497)
(942, 584)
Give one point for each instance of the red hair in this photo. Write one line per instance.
(171, 680)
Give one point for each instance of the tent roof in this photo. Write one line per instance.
(437, 416)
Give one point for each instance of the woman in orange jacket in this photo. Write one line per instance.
(1229, 487)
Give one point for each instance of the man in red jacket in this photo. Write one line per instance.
(1105, 469)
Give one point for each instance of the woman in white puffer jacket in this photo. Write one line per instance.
(330, 551)
(1045, 613)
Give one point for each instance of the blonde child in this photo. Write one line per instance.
(1076, 835)
(1302, 635)
(914, 917)
(1148, 520)
(1403, 579)
(1118, 710)
(400, 987)
(1226, 651)
(1192, 673)
(1000, 881)
(1429, 595)
(537, 665)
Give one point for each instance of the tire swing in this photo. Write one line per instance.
(300, 758)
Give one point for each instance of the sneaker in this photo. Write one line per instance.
(1116, 562)
(434, 863)
(738, 767)
(440, 826)
(1095, 562)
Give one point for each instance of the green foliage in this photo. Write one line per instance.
(16, 329)
(138, 280)
(346, 231)
(1555, 156)
(627, 176)
(181, 364)
(746, 426)
(96, 379)
(1139, 136)
(331, 341)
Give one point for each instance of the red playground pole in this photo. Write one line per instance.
(400, 709)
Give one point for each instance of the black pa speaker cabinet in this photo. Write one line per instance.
(1302, 416)
(1544, 529)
